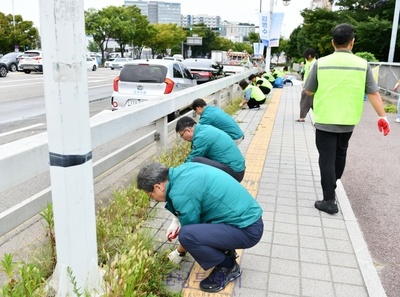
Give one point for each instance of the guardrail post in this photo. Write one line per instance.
(162, 131)
(69, 140)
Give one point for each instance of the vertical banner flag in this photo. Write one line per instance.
(270, 36)
(276, 26)
(258, 49)
(263, 27)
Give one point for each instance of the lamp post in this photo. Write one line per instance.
(271, 8)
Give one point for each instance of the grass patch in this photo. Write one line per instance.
(390, 108)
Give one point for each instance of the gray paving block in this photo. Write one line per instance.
(313, 256)
(285, 239)
(255, 262)
(285, 267)
(285, 252)
(283, 284)
(347, 275)
(285, 228)
(342, 259)
(317, 288)
(312, 242)
(343, 290)
(315, 271)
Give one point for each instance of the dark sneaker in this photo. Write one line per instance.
(220, 277)
(232, 254)
(328, 206)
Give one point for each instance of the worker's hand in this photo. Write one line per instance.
(175, 257)
(383, 125)
(173, 229)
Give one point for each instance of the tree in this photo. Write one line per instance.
(22, 34)
(167, 36)
(99, 27)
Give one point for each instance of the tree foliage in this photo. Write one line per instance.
(372, 22)
(23, 34)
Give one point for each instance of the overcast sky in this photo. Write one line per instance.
(230, 10)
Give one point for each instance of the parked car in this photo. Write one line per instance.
(91, 64)
(3, 69)
(31, 61)
(118, 63)
(204, 70)
(144, 80)
(12, 60)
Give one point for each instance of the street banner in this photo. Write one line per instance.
(276, 26)
(258, 49)
(263, 28)
(270, 36)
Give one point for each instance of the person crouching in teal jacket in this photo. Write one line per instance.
(216, 216)
(215, 116)
(211, 146)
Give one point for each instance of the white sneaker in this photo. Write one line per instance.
(398, 120)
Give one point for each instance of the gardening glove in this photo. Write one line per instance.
(176, 257)
(173, 229)
(383, 125)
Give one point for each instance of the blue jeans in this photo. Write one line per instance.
(207, 242)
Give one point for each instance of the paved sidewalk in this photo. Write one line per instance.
(303, 252)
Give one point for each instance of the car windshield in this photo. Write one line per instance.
(31, 54)
(143, 73)
(120, 59)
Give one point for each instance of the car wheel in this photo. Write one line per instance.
(13, 68)
(94, 68)
(111, 68)
(3, 71)
(27, 71)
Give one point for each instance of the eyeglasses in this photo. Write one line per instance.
(183, 132)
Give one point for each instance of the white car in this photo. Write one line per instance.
(31, 61)
(91, 64)
(118, 63)
(144, 80)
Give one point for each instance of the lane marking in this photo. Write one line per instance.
(20, 130)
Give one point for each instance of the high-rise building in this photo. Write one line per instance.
(159, 12)
(208, 20)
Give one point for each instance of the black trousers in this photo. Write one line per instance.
(236, 175)
(252, 103)
(332, 149)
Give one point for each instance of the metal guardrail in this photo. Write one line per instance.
(29, 157)
(389, 75)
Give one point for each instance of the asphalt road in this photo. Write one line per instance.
(371, 180)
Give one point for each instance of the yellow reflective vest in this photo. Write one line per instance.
(339, 99)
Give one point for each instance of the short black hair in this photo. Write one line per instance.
(309, 52)
(198, 103)
(243, 84)
(183, 123)
(252, 76)
(343, 34)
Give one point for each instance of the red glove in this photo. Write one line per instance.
(383, 125)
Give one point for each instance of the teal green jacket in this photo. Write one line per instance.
(197, 193)
(214, 144)
(217, 118)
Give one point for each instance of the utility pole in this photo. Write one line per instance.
(68, 127)
(394, 32)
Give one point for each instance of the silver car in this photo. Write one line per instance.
(144, 80)
(118, 63)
